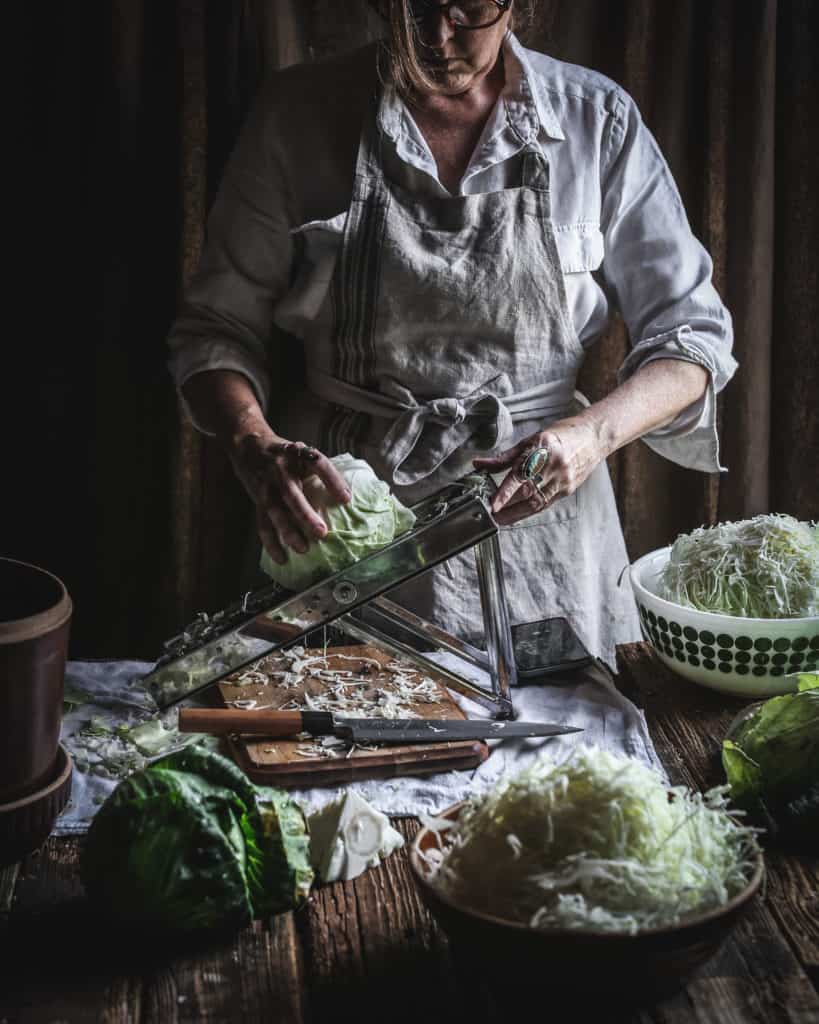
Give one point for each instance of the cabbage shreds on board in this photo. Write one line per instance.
(761, 568)
(597, 842)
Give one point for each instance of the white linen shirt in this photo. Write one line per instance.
(622, 233)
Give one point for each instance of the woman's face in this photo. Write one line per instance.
(458, 59)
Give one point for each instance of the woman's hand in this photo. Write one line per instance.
(574, 450)
(272, 471)
(271, 468)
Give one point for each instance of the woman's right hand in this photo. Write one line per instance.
(272, 470)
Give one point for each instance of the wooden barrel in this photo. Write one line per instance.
(35, 616)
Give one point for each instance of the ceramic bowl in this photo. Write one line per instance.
(749, 658)
(586, 966)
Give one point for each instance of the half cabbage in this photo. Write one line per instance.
(373, 518)
(190, 843)
(771, 760)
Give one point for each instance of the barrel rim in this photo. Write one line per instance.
(31, 627)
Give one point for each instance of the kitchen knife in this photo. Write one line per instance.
(272, 724)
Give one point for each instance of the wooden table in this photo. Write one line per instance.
(367, 950)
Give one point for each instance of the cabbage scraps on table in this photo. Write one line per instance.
(761, 568)
(373, 518)
(597, 842)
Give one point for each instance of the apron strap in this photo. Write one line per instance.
(535, 172)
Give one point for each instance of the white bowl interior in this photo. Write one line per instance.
(648, 570)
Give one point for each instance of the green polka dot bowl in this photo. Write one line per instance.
(743, 657)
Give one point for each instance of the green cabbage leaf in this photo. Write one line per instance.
(373, 518)
(189, 843)
(771, 761)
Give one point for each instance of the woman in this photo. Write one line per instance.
(446, 223)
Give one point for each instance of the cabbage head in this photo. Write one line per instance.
(189, 843)
(372, 519)
(771, 761)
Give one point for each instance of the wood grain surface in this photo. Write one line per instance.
(304, 762)
(367, 951)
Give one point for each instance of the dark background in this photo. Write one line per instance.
(102, 482)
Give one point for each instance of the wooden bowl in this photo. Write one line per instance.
(35, 618)
(26, 823)
(588, 966)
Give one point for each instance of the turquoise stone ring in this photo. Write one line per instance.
(533, 464)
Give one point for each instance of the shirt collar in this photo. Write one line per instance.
(528, 106)
(525, 101)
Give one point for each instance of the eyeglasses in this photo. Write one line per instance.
(468, 14)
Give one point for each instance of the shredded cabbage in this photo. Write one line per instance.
(597, 842)
(372, 519)
(761, 568)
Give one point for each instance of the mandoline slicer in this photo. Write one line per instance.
(453, 520)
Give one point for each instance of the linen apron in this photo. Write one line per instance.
(446, 335)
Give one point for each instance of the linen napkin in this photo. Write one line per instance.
(586, 697)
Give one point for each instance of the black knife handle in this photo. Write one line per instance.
(317, 723)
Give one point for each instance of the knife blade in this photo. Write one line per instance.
(219, 722)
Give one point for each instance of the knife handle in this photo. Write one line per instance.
(219, 721)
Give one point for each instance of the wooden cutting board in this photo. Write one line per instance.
(360, 673)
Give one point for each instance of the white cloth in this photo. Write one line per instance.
(114, 698)
(622, 234)
(591, 702)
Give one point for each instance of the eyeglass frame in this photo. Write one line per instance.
(430, 7)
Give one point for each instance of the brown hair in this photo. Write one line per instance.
(399, 62)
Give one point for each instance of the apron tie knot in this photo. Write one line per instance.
(438, 428)
(447, 410)
(424, 433)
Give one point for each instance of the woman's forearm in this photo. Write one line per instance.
(649, 399)
(271, 470)
(225, 404)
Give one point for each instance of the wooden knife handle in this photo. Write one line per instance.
(218, 721)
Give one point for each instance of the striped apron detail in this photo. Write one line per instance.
(354, 297)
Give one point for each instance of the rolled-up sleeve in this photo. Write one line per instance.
(661, 279)
(226, 316)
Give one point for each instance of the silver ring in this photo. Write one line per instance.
(538, 485)
(533, 463)
(279, 448)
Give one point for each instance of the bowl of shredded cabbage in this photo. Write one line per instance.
(590, 872)
(735, 607)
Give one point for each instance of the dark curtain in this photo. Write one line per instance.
(142, 518)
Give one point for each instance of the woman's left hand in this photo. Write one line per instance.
(574, 450)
